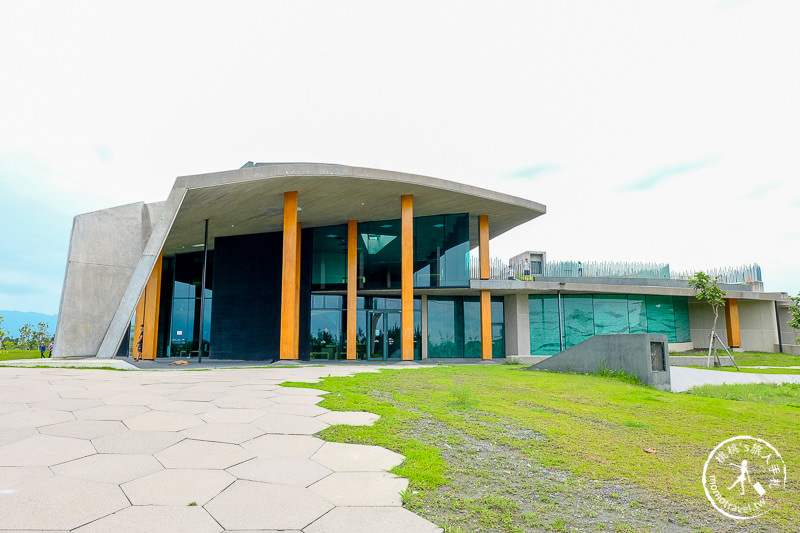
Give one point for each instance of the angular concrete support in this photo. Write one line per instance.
(288, 287)
(642, 355)
(407, 277)
(105, 259)
(352, 285)
(486, 325)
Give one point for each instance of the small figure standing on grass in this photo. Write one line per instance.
(41, 350)
(50, 349)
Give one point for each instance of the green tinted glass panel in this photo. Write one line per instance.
(543, 315)
(379, 254)
(660, 316)
(472, 327)
(637, 314)
(329, 257)
(610, 314)
(441, 328)
(578, 319)
(326, 334)
(681, 308)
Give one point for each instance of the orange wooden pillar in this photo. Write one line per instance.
(407, 276)
(288, 349)
(486, 296)
(352, 285)
(486, 325)
(147, 314)
(732, 322)
(483, 245)
(297, 296)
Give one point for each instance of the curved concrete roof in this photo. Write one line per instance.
(250, 200)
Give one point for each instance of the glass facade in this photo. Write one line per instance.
(454, 326)
(585, 315)
(441, 251)
(329, 258)
(185, 271)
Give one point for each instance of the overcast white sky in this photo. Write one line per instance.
(652, 131)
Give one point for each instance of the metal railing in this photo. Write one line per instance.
(499, 269)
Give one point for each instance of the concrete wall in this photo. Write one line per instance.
(105, 247)
(789, 336)
(758, 325)
(618, 353)
(517, 324)
(701, 319)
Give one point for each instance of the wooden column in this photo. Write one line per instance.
(486, 325)
(352, 285)
(296, 341)
(483, 245)
(732, 322)
(147, 314)
(289, 276)
(407, 276)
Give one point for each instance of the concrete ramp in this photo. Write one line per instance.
(642, 355)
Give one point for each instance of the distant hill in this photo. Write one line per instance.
(13, 320)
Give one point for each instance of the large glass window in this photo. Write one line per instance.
(454, 327)
(441, 251)
(186, 330)
(603, 314)
(329, 258)
(379, 254)
(326, 327)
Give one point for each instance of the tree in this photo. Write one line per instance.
(3, 333)
(794, 309)
(708, 291)
(26, 337)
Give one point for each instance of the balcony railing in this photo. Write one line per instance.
(611, 269)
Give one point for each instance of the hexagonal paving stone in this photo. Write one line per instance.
(155, 519)
(284, 445)
(295, 471)
(200, 454)
(297, 409)
(11, 435)
(379, 489)
(110, 412)
(232, 416)
(371, 520)
(242, 402)
(230, 433)
(183, 406)
(109, 468)
(350, 418)
(68, 404)
(176, 486)
(341, 457)
(11, 407)
(60, 503)
(290, 424)
(15, 478)
(194, 396)
(301, 391)
(34, 418)
(44, 450)
(249, 505)
(162, 421)
(303, 400)
(85, 429)
(137, 442)
(133, 398)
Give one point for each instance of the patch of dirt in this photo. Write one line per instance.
(524, 497)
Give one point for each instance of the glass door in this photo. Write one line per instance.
(376, 343)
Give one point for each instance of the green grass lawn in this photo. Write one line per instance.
(7, 355)
(468, 432)
(753, 358)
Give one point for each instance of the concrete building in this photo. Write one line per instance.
(316, 261)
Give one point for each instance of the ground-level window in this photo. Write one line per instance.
(585, 315)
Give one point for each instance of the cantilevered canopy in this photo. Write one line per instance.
(250, 200)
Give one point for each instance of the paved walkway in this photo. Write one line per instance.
(684, 379)
(209, 451)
